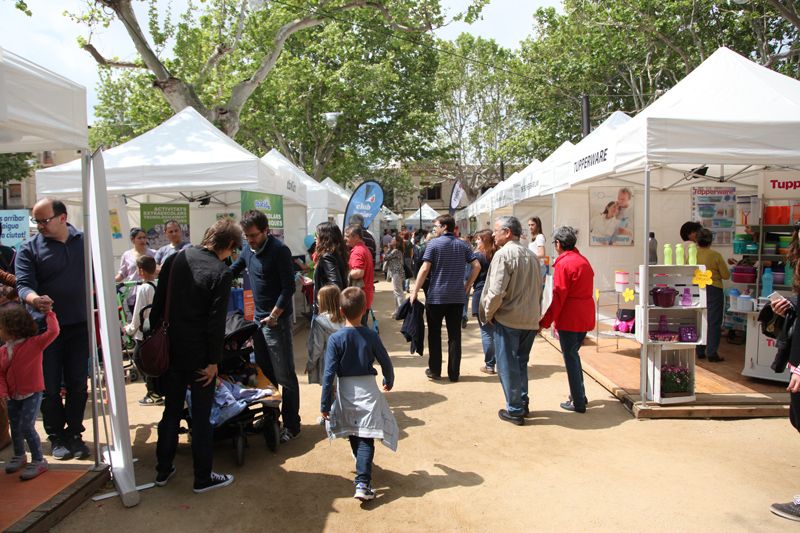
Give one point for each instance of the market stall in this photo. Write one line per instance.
(421, 218)
(40, 110)
(186, 160)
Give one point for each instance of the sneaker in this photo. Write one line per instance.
(287, 434)
(217, 481)
(34, 469)
(364, 492)
(79, 449)
(789, 510)
(61, 452)
(569, 406)
(161, 478)
(152, 399)
(487, 370)
(16, 463)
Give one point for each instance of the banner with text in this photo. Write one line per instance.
(16, 227)
(366, 201)
(270, 204)
(153, 217)
(715, 209)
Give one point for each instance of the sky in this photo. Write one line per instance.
(50, 39)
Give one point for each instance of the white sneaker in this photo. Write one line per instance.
(364, 492)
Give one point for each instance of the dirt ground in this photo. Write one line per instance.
(458, 467)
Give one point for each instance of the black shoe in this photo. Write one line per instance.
(162, 478)
(217, 481)
(516, 420)
(700, 356)
(715, 359)
(79, 449)
(789, 510)
(463, 323)
(430, 375)
(453, 380)
(61, 452)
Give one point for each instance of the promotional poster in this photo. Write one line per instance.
(269, 204)
(155, 216)
(611, 216)
(366, 201)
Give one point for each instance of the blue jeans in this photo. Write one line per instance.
(513, 350)
(487, 340)
(22, 418)
(715, 299)
(364, 450)
(275, 357)
(570, 344)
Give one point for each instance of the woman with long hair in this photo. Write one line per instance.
(537, 238)
(394, 264)
(332, 258)
(484, 251)
(128, 271)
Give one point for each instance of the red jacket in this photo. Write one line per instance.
(23, 374)
(572, 308)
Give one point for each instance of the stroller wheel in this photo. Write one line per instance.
(134, 374)
(272, 433)
(239, 444)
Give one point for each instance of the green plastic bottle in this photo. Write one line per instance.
(667, 254)
(680, 258)
(692, 253)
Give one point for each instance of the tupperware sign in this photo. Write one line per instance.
(15, 227)
(781, 185)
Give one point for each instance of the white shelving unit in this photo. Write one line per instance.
(649, 316)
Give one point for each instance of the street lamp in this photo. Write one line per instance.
(331, 118)
(420, 197)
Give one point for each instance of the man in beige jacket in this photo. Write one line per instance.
(510, 302)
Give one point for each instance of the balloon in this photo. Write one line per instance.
(308, 241)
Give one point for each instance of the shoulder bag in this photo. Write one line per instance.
(154, 350)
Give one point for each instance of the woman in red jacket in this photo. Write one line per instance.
(572, 310)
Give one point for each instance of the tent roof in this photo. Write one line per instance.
(428, 214)
(318, 195)
(39, 110)
(335, 187)
(729, 111)
(185, 153)
(595, 154)
(553, 172)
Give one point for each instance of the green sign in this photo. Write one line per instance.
(270, 204)
(153, 217)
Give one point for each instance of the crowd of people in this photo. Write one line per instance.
(46, 346)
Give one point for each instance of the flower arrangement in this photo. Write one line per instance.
(675, 379)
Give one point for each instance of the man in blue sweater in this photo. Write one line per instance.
(269, 267)
(50, 276)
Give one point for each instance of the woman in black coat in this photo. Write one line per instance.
(791, 510)
(198, 300)
(331, 263)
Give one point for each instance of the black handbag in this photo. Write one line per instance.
(153, 353)
(783, 342)
(626, 315)
(771, 323)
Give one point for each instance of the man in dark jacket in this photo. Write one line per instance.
(50, 275)
(269, 267)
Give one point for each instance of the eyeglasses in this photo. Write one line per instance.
(42, 222)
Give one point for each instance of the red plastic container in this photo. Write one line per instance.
(743, 277)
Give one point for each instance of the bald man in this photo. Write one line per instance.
(50, 275)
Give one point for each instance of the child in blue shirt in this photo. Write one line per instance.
(358, 410)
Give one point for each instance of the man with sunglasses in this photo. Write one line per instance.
(50, 276)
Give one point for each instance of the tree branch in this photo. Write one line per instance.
(103, 62)
(789, 13)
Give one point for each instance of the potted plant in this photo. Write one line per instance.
(675, 380)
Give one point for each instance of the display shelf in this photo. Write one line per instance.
(619, 334)
(673, 354)
(766, 257)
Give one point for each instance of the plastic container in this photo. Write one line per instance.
(769, 248)
(620, 276)
(767, 281)
(667, 254)
(692, 253)
(652, 249)
(680, 257)
(734, 294)
(751, 248)
(620, 287)
(778, 278)
(663, 296)
(744, 303)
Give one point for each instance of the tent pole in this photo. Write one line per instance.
(644, 288)
(87, 278)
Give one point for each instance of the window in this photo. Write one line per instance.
(15, 191)
(434, 192)
(47, 158)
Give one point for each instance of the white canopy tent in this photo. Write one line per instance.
(40, 110)
(425, 214)
(186, 157)
(323, 201)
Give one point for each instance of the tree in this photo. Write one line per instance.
(14, 167)
(626, 53)
(216, 39)
(477, 112)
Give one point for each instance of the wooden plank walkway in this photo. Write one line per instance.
(722, 391)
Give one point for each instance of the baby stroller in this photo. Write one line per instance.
(258, 414)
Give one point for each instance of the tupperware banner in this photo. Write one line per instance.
(366, 201)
